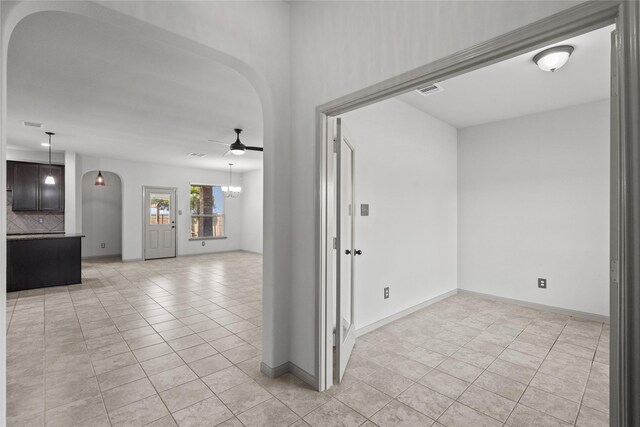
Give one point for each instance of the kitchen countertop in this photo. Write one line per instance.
(44, 236)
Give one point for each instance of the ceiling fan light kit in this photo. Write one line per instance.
(238, 148)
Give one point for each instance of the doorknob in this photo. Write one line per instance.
(357, 252)
(347, 252)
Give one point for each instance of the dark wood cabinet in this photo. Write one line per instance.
(30, 193)
(51, 196)
(25, 186)
(39, 261)
(10, 167)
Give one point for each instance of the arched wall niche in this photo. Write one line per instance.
(102, 215)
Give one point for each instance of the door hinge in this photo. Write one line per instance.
(335, 243)
(615, 271)
(335, 146)
(334, 338)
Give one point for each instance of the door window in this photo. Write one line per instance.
(160, 209)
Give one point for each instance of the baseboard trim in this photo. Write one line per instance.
(405, 312)
(250, 252)
(559, 310)
(293, 369)
(94, 257)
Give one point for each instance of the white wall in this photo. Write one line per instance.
(135, 175)
(340, 47)
(40, 156)
(252, 217)
(534, 203)
(409, 239)
(72, 187)
(101, 215)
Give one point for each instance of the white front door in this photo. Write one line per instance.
(345, 213)
(159, 222)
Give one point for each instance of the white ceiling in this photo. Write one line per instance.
(517, 87)
(109, 93)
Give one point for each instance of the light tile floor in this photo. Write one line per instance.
(177, 342)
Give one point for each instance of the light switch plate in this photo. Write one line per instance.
(542, 283)
(364, 209)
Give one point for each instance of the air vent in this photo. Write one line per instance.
(32, 124)
(431, 89)
(197, 154)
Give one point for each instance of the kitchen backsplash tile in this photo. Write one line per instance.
(29, 222)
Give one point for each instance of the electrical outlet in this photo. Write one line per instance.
(180, 212)
(542, 283)
(203, 243)
(41, 220)
(102, 245)
(386, 292)
(364, 209)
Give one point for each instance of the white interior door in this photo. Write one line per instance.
(159, 222)
(345, 212)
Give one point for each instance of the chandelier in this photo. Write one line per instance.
(230, 190)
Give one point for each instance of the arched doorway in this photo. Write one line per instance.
(101, 215)
(263, 92)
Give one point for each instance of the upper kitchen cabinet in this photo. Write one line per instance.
(51, 195)
(25, 186)
(30, 193)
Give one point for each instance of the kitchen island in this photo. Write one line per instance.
(43, 260)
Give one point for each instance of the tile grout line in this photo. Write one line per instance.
(173, 351)
(538, 370)
(588, 378)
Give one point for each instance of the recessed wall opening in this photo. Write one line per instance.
(102, 215)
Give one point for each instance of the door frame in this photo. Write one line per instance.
(624, 305)
(145, 188)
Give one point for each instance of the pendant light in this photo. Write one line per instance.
(100, 180)
(50, 180)
(231, 191)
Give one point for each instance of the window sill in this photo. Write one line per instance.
(207, 238)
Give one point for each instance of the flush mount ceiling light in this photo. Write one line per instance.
(231, 191)
(553, 58)
(100, 180)
(49, 179)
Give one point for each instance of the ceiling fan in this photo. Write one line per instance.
(237, 148)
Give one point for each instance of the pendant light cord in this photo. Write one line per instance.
(49, 154)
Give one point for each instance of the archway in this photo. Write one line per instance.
(101, 215)
(15, 13)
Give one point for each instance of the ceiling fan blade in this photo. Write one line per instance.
(254, 148)
(226, 154)
(218, 142)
